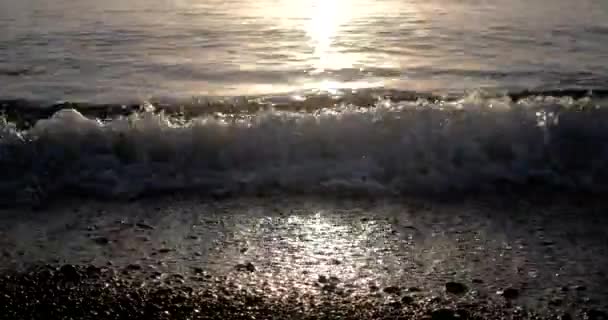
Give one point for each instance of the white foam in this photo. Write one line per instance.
(390, 148)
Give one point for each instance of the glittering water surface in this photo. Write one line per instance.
(114, 50)
(350, 247)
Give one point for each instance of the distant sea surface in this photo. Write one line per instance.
(115, 50)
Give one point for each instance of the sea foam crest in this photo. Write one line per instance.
(473, 144)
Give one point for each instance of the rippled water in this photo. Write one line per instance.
(110, 51)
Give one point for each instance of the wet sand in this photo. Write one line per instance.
(304, 257)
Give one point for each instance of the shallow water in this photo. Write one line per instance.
(112, 51)
(308, 245)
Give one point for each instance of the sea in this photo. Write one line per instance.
(120, 99)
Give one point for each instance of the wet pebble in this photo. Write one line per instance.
(69, 272)
(198, 270)
(392, 290)
(509, 293)
(407, 300)
(101, 240)
(93, 271)
(144, 226)
(555, 302)
(133, 267)
(250, 267)
(444, 314)
(455, 287)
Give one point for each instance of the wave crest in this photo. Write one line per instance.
(411, 146)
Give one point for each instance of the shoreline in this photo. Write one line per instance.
(371, 250)
(88, 292)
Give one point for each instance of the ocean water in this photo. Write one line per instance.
(129, 98)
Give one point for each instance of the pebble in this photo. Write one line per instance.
(509, 293)
(93, 271)
(133, 267)
(455, 288)
(246, 267)
(392, 290)
(407, 300)
(69, 273)
(444, 314)
(144, 226)
(101, 240)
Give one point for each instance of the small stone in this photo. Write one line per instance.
(336, 262)
(192, 237)
(93, 270)
(455, 288)
(243, 250)
(443, 314)
(462, 314)
(164, 250)
(580, 288)
(246, 267)
(477, 281)
(329, 287)
(101, 240)
(407, 300)
(414, 289)
(392, 290)
(509, 293)
(555, 302)
(144, 238)
(69, 273)
(323, 279)
(548, 243)
(133, 267)
(144, 226)
(198, 270)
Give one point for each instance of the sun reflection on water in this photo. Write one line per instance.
(326, 18)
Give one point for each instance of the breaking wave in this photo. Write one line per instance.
(388, 146)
